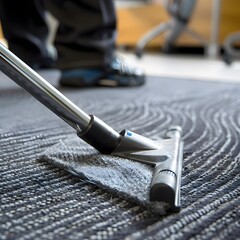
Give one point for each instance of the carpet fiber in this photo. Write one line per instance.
(41, 201)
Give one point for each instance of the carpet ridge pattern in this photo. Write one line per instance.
(41, 201)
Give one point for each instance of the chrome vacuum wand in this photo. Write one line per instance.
(165, 154)
(89, 128)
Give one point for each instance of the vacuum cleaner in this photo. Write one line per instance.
(165, 155)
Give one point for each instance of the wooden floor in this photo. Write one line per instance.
(1, 34)
(135, 22)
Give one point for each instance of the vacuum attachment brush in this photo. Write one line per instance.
(164, 155)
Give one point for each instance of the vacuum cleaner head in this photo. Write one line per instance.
(164, 155)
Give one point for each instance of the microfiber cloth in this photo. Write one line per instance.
(126, 178)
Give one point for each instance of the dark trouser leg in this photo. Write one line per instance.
(86, 34)
(26, 31)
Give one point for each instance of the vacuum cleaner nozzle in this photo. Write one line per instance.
(165, 155)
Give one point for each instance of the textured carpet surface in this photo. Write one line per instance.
(41, 201)
(128, 179)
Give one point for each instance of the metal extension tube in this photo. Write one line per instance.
(89, 128)
(24, 76)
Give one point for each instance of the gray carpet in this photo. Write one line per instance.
(42, 201)
(125, 178)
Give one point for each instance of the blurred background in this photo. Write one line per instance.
(184, 38)
(138, 17)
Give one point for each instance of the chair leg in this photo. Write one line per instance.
(176, 30)
(155, 32)
(230, 52)
(198, 37)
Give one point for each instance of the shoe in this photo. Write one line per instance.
(118, 74)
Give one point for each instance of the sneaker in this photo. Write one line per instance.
(118, 74)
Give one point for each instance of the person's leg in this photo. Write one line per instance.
(24, 27)
(86, 34)
(85, 42)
